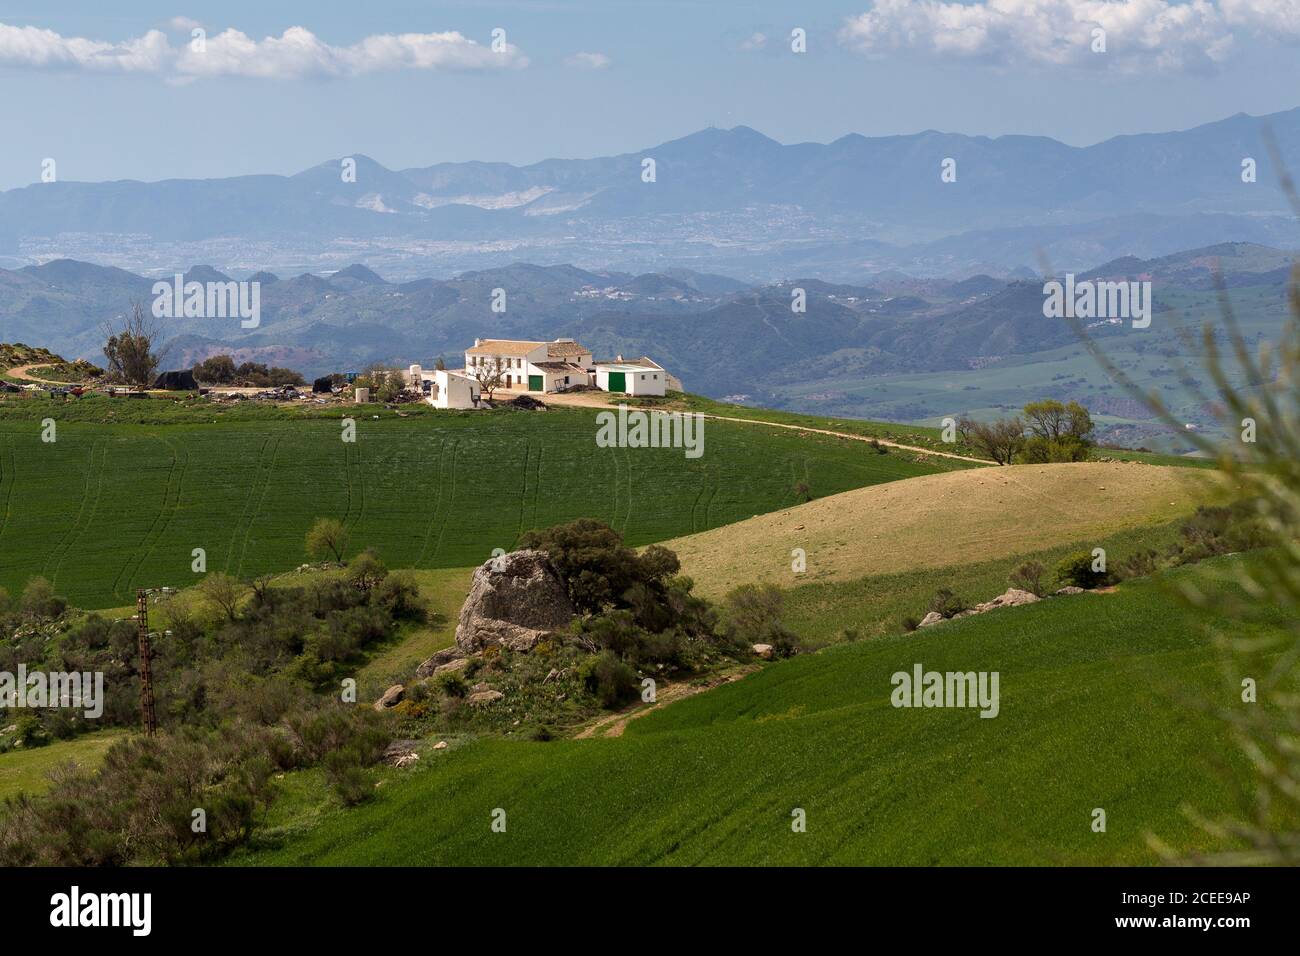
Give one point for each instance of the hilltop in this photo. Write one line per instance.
(957, 518)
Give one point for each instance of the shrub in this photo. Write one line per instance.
(451, 684)
(39, 601)
(609, 678)
(1075, 570)
(946, 603)
(753, 616)
(1140, 565)
(1029, 577)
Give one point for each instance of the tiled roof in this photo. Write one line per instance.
(559, 350)
(560, 367)
(502, 347)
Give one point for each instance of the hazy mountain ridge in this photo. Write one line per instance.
(730, 201)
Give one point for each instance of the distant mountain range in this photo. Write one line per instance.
(731, 201)
(719, 335)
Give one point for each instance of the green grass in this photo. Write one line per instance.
(25, 770)
(1099, 698)
(107, 508)
(876, 605)
(918, 435)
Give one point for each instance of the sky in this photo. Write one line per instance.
(277, 87)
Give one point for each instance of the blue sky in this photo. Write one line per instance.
(107, 99)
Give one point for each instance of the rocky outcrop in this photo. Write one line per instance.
(1013, 597)
(445, 656)
(515, 600)
(392, 697)
(485, 697)
(763, 650)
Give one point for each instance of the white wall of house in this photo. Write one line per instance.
(514, 364)
(637, 379)
(453, 390)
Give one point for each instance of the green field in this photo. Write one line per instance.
(110, 507)
(1100, 700)
(26, 770)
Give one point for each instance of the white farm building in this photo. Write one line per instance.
(526, 366)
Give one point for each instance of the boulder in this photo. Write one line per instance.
(515, 600)
(1068, 589)
(392, 697)
(764, 651)
(444, 656)
(485, 697)
(457, 665)
(1013, 597)
(440, 745)
(934, 617)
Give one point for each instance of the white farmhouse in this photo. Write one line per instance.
(528, 366)
(532, 366)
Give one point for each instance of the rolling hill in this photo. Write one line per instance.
(110, 507)
(944, 520)
(1097, 709)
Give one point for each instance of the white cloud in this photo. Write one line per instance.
(45, 49)
(1196, 35)
(295, 53)
(588, 61)
(185, 24)
(755, 41)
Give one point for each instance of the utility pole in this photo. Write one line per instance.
(147, 717)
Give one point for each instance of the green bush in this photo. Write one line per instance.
(609, 678)
(1075, 570)
(946, 603)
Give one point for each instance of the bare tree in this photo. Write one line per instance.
(131, 348)
(1000, 440)
(490, 376)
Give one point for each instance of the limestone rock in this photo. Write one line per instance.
(392, 697)
(764, 651)
(515, 600)
(444, 656)
(485, 697)
(934, 617)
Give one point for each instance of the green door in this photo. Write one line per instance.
(535, 383)
(618, 381)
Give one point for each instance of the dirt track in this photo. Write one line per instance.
(596, 400)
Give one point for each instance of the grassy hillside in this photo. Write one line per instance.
(1099, 698)
(940, 520)
(107, 508)
(25, 771)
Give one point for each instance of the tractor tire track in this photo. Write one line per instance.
(162, 520)
(264, 479)
(252, 490)
(94, 476)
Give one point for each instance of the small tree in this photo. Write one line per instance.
(216, 370)
(223, 592)
(1029, 577)
(327, 537)
(490, 376)
(1000, 440)
(129, 349)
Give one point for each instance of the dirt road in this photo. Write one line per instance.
(598, 400)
